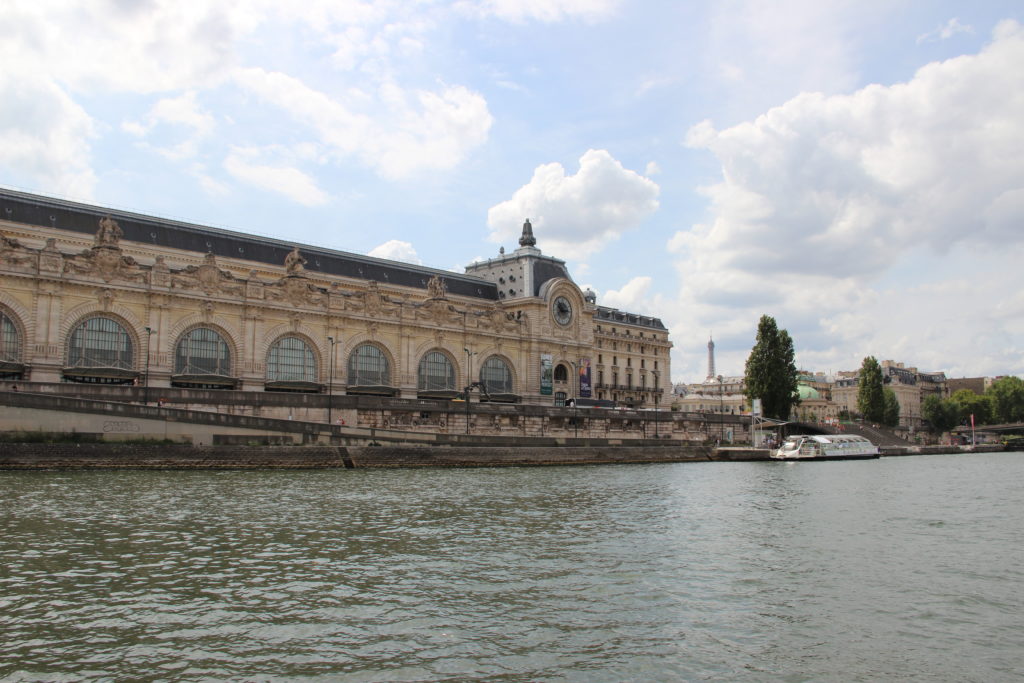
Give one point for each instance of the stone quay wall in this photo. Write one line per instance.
(28, 456)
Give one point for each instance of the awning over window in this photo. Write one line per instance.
(204, 381)
(100, 375)
(502, 398)
(296, 386)
(371, 390)
(11, 369)
(444, 394)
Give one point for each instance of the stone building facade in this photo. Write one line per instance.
(96, 296)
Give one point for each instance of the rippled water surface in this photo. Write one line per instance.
(900, 568)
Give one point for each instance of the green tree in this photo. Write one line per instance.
(771, 370)
(1007, 395)
(941, 415)
(891, 413)
(969, 403)
(870, 397)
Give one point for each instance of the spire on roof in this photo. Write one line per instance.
(527, 240)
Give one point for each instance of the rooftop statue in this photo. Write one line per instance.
(293, 262)
(109, 233)
(436, 287)
(527, 240)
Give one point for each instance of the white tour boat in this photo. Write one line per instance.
(825, 447)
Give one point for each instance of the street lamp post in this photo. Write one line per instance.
(721, 406)
(575, 400)
(469, 382)
(330, 382)
(657, 400)
(145, 390)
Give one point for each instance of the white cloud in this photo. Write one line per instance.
(403, 133)
(578, 214)
(945, 32)
(770, 50)
(824, 199)
(548, 11)
(632, 297)
(44, 135)
(244, 165)
(100, 47)
(186, 122)
(397, 250)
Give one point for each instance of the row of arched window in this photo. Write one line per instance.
(100, 349)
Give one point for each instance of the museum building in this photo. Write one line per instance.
(101, 296)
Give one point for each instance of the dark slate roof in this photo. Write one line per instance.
(20, 207)
(615, 315)
(547, 269)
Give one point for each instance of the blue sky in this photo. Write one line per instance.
(854, 169)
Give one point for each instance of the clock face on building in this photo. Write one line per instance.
(562, 311)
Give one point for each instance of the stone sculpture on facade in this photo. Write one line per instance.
(294, 264)
(209, 278)
(109, 234)
(436, 288)
(106, 259)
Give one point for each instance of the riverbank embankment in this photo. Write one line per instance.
(23, 456)
(107, 455)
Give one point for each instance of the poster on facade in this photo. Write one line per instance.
(585, 378)
(547, 374)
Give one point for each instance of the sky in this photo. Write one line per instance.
(854, 169)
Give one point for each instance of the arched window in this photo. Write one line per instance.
(436, 373)
(202, 351)
(291, 360)
(496, 376)
(10, 341)
(561, 373)
(368, 366)
(100, 343)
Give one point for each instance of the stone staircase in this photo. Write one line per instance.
(880, 436)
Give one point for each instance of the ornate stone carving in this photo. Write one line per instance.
(50, 258)
(297, 290)
(439, 312)
(106, 259)
(253, 287)
(294, 264)
(13, 253)
(106, 298)
(373, 302)
(494, 318)
(436, 287)
(160, 273)
(209, 278)
(109, 234)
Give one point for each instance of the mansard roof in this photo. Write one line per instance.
(30, 209)
(615, 315)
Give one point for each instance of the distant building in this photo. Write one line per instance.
(976, 384)
(909, 384)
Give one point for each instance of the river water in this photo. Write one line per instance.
(901, 568)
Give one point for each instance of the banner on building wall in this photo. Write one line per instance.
(547, 374)
(585, 378)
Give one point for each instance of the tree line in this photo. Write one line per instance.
(771, 376)
(1002, 403)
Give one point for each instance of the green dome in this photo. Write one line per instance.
(807, 393)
